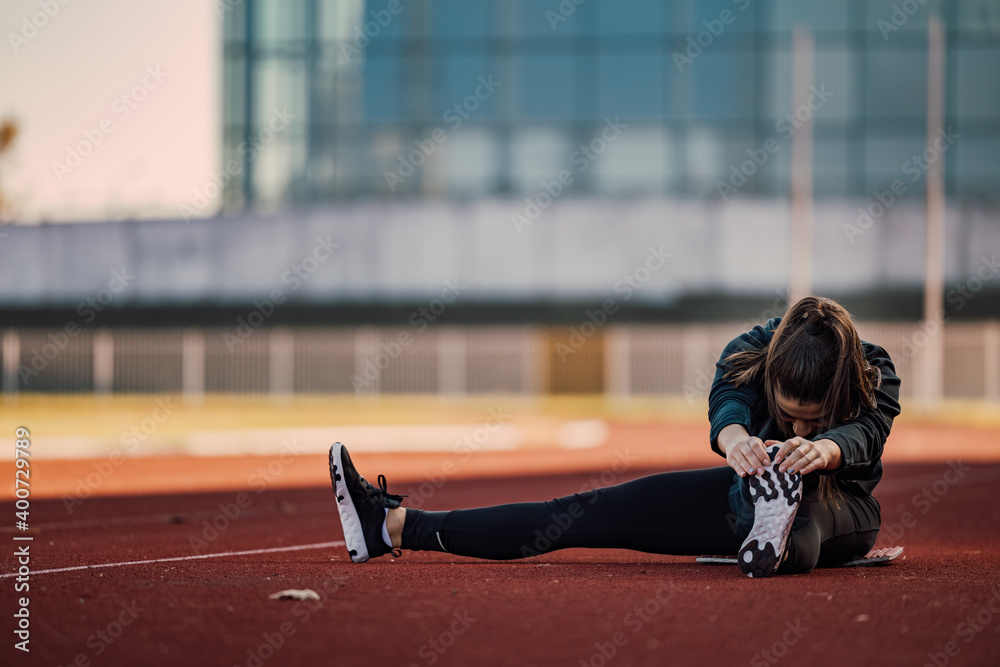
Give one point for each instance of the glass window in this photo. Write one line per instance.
(537, 154)
(723, 85)
(235, 90)
(894, 158)
(460, 81)
(975, 161)
(382, 82)
(281, 86)
(639, 162)
(887, 21)
(276, 168)
(631, 17)
(708, 15)
(830, 171)
(545, 18)
(468, 163)
(977, 83)
(818, 15)
(544, 86)
(632, 86)
(833, 77)
(897, 83)
(704, 158)
(277, 21)
(459, 18)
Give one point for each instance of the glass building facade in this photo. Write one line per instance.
(339, 100)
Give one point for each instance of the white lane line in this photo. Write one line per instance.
(251, 552)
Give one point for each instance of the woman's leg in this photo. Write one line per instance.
(829, 534)
(679, 513)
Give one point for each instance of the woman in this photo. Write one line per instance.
(800, 409)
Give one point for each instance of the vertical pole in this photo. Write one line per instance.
(933, 357)
(281, 363)
(104, 361)
(11, 362)
(800, 264)
(193, 365)
(451, 361)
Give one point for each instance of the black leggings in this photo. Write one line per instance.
(692, 512)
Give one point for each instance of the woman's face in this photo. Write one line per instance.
(804, 419)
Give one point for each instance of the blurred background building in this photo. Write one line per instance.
(698, 83)
(539, 157)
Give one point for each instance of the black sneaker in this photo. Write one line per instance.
(361, 506)
(776, 496)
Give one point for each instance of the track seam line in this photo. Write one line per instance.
(300, 547)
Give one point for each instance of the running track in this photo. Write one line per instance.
(575, 607)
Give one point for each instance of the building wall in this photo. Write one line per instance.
(634, 252)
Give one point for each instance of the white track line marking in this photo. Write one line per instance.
(301, 547)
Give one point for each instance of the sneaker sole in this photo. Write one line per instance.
(353, 533)
(776, 496)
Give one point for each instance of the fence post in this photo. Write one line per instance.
(991, 360)
(193, 365)
(281, 363)
(618, 362)
(451, 361)
(104, 361)
(11, 361)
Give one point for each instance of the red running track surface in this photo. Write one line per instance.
(938, 604)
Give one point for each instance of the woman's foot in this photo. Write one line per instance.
(776, 496)
(364, 508)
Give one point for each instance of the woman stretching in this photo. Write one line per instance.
(800, 408)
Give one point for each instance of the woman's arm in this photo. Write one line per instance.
(727, 403)
(861, 440)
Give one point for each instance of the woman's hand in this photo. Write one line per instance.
(802, 456)
(744, 453)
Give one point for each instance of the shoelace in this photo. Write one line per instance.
(382, 491)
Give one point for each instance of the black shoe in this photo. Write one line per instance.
(776, 496)
(361, 506)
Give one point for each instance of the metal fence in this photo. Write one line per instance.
(618, 360)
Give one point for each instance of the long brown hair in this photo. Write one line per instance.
(815, 356)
